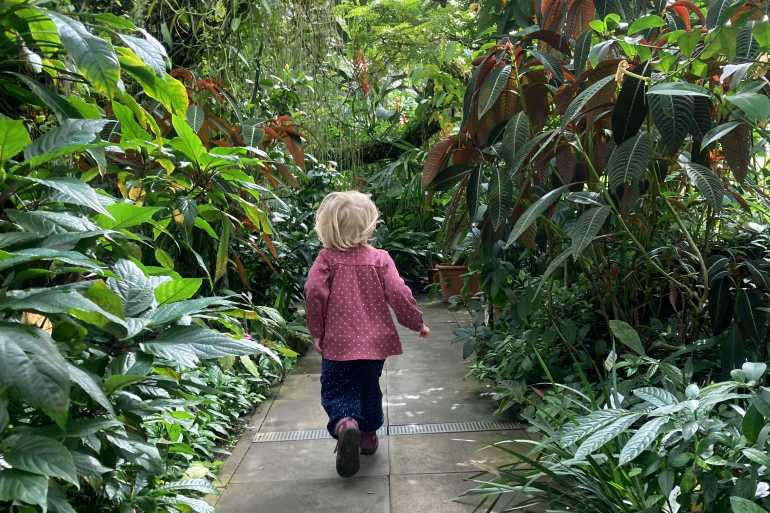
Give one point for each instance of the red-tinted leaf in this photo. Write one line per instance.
(555, 40)
(737, 145)
(566, 162)
(465, 156)
(286, 174)
(684, 14)
(692, 8)
(536, 98)
(297, 153)
(437, 159)
(553, 14)
(579, 14)
(631, 106)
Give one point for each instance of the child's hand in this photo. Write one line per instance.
(317, 345)
(424, 331)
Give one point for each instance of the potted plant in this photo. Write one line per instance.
(454, 277)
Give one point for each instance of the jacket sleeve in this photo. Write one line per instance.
(399, 296)
(317, 295)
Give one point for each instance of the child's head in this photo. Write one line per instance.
(346, 220)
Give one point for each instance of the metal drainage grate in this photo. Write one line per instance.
(404, 429)
(450, 427)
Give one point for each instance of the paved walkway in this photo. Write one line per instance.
(284, 463)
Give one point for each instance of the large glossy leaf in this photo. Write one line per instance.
(41, 455)
(627, 336)
(13, 138)
(582, 49)
(252, 133)
(94, 57)
(718, 132)
(17, 485)
(534, 211)
(631, 107)
(188, 142)
(436, 160)
(721, 305)
(500, 196)
(180, 289)
(521, 158)
(707, 183)
(575, 108)
(603, 435)
(91, 385)
(70, 136)
(584, 426)
(72, 190)
(629, 161)
(674, 117)
(751, 320)
(657, 397)
(550, 63)
(737, 145)
(587, 227)
(153, 55)
(170, 92)
(641, 440)
(579, 14)
(187, 345)
(58, 105)
(31, 365)
(678, 89)
(223, 250)
(132, 286)
(195, 118)
(741, 505)
(130, 129)
(23, 256)
(195, 485)
(746, 48)
(490, 90)
(755, 106)
(125, 215)
(553, 265)
(515, 136)
(474, 192)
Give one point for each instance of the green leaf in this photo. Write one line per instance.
(534, 211)
(94, 57)
(223, 250)
(90, 384)
(76, 192)
(641, 440)
(746, 47)
(194, 485)
(473, 192)
(751, 321)
(167, 90)
(72, 135)
(515, 136)
(575, 108)
(132, 286)
(58, 105)
(125, 215)
(718, 132)
(761, 32)
(130, 129)
(741, 505)
(31, 365)
(13, 138)
(5, 417)
(87, 465)
(629, 161)
(656, 396)
(188, 142)
(150, 54)
(582, 49)
(164, 259)
(197, 505)
(252, 133)
(587, 227)
(170, 312)
(755, 106)
(627, 336)
(187, 345)
(602, 436)
(717, 12)
(177, 290)
(552, 266)
(645, 23)
(674, 116)
(206, 227)
(678, 89)
(17, 485)
(709, 184)
(23, 256)
(118, 381)
(250, 366)
(195, 117)
(757, 456)
(492, 87)
(584, 426)
(57, 500)
(41, 455)
(500, 196)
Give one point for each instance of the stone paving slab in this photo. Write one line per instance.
(434, 493)
(356, 495)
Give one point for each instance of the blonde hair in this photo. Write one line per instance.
(346, 220)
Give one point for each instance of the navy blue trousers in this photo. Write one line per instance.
(352, 389)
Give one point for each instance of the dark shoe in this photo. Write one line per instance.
(348, 447)
(369, 443)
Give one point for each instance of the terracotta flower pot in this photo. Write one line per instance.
(452, 281)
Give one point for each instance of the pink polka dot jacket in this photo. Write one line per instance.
(347, 294)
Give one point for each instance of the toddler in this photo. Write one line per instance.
(347, 293)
